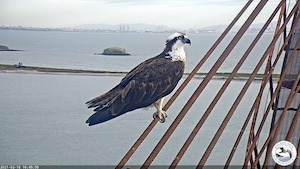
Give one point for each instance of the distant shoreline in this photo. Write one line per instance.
(58, 71)
(44, 70)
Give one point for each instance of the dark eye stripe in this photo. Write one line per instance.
(181, 37)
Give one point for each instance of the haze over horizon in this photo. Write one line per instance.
(189, 14)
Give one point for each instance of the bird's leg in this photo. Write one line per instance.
(162, 115)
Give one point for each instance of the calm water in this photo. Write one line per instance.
(42, 121)
(76, 50)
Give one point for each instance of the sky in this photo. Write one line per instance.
(184, 14)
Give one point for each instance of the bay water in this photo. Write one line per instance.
(76, 50)
(42, 116)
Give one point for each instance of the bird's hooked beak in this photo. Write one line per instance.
(186, 41)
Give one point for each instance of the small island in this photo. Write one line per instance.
(5, 48)
(114, 51)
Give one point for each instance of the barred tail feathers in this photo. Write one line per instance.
(100, 116)
(102, 105)
(102, 100)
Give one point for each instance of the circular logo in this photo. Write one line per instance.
(284, 153)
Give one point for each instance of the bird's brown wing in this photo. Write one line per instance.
(142, 86)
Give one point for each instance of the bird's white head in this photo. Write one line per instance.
(175, 46)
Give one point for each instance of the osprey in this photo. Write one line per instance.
(147, 84)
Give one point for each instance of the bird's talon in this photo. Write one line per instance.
(162, 120)
(161, 115)
(155, 115)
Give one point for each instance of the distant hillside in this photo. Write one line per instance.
(253, 28)
(141, 27)
(126, 27)
(162, 28)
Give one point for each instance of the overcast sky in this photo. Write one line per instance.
(183, 14)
